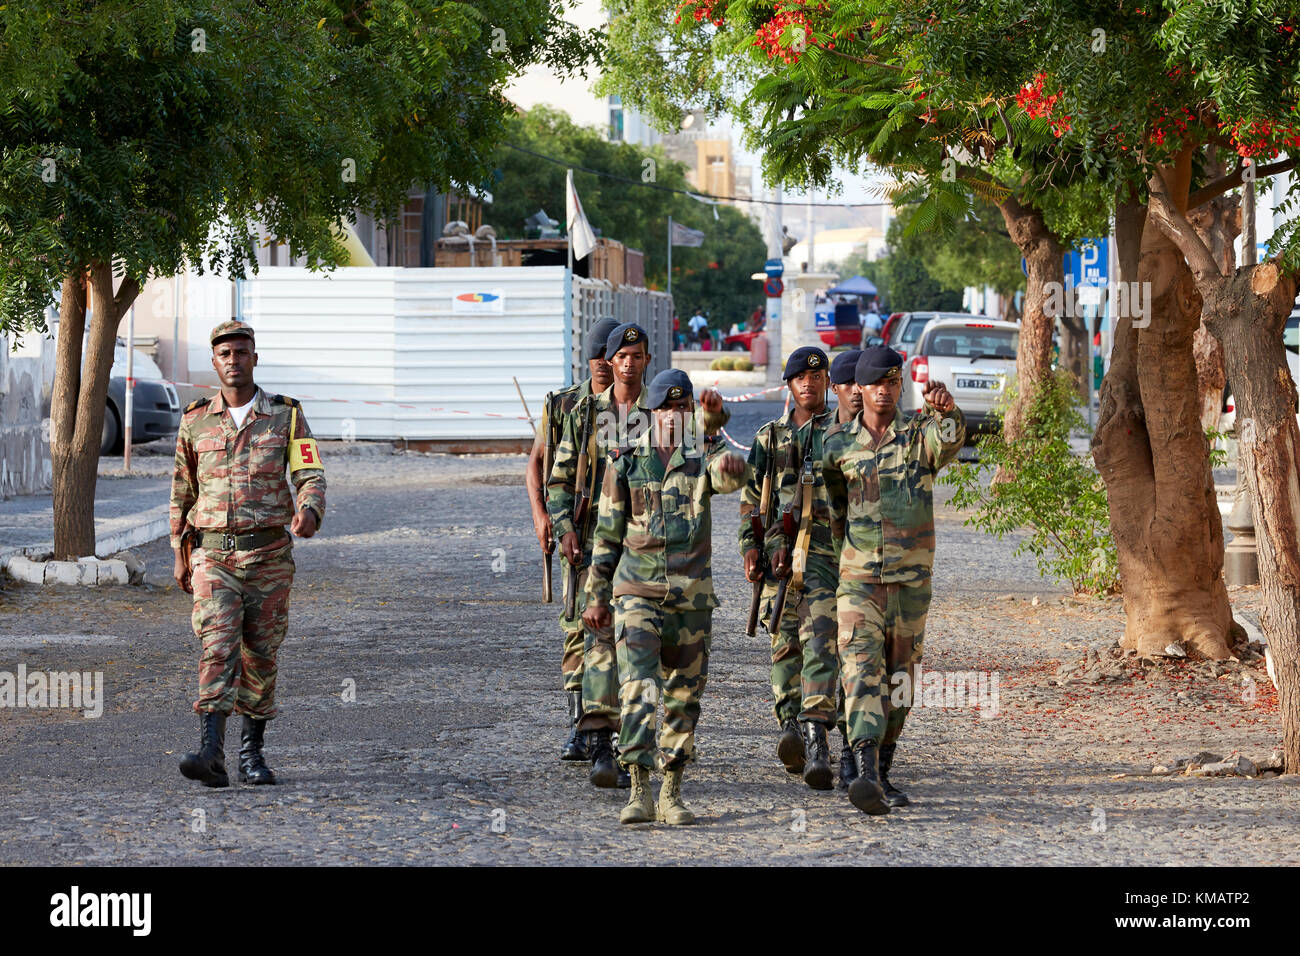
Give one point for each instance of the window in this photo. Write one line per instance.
(971, 343)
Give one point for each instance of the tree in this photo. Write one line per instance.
(630, 198)
(143, 135)
(912, 285)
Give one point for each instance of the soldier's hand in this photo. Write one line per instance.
(732, 464)
(781, 563)
(182, 574)
(569, 545)
(597, 618)
(711, 399)
(751, 565)
(939, 398)
(304, 523)
(542, 528)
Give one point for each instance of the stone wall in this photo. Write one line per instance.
(25, 377)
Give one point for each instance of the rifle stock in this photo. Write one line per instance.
(758, 522)
(778, 607)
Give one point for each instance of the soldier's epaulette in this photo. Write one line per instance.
(286, 400)
(197, 403)
(616, 453)
(713, 439)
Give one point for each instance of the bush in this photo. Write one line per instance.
(722, 364)
(1056, 497)
(743, 365)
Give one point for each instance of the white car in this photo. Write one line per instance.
(974, 356)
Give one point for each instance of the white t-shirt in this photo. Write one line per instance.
(241, 413)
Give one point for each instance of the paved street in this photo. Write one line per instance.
(422, 592)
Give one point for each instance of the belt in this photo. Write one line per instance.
(224, 541)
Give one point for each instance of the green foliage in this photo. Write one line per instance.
(743, 365)
(158, 132)
(1054, 496)
(722, 364)
(912, 286)
(715, 276)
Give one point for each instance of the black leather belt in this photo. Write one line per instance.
(248, 541)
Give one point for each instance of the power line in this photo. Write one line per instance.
(694, 195)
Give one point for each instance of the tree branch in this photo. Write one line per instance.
(1233, 180)
(1181, 232)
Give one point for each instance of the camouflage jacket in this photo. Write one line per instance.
(234, 480)
(781, 437)
(882, 493)
(609, 430)
(654, 534)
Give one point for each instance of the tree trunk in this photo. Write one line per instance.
(78, 403)
(1247, 312)
(1154, 460)
(1043, 262)
(1075, 353)
(1218, 223)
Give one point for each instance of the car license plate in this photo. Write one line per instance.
(977, 383)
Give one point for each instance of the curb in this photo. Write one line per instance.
(112, 536)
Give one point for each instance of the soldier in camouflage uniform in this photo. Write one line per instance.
(847, 397)
(557, 418)
(652, 557)
(805, 662)
(879, 471)
(231, 500)
(609, 420)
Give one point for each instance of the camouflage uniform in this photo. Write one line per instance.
(233, 481)
(557, 415)
(805, 662)
(652, 556)
(610, 429)
(882, 512)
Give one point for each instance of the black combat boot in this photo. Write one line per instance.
(865, 793)
(848, 769)
(790, 746)
(624, 778)
(252, 766)
(604, 771)
(817, 771)
(209, 764)
(893, 796)
(575, 748)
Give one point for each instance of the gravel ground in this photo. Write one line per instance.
(422, 592)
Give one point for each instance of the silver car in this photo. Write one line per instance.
(974, 356)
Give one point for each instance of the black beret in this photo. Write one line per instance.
(875, 363)
(598, 337)
(629, 333)
(669, 385)
(803, 359)
(845, 367)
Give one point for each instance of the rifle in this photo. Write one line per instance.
(789, 528)
(548, 461)
(581, 512)
(758, 523)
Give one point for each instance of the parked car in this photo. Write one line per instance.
(901, 333)
(740, 341)
(155, 406)
(973, 355)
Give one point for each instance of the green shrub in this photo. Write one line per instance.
(743, 365)
(724, 364)
(1054, 496)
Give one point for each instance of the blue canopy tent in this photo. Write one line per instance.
(858, 285)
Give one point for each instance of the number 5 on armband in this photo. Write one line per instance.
(303, 453)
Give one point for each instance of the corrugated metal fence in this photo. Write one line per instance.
(429, 354)
(594, 299)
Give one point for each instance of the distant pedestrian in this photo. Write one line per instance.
(699, 327)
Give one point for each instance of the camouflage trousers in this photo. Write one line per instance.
(661, 654)
(574, 644)
(882, 628)
(600, 702)
(805, 658)
(241, 612)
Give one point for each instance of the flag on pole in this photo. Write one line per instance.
(684, 236)
(581, 239)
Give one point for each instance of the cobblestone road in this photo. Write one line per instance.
(422, 591)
